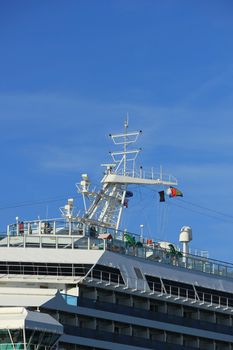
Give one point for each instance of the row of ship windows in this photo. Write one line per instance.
(53, 269)
(103, 327)
(214, 346)
(155, 305)
(113, 275)
(188, 290)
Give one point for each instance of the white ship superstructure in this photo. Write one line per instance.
(83, 282)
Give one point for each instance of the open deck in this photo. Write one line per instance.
(63, 234)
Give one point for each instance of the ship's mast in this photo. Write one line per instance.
(125, 163)
(125, 144)
(107, 205)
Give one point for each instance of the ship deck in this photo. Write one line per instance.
(61, 234)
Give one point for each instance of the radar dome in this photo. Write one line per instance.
(185, 234)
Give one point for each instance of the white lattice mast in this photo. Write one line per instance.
(125, 143)
(125, 157)
(107, 205)
(124, 163)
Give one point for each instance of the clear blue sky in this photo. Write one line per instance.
(69, 73)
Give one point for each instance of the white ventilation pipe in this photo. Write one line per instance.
(185, 238)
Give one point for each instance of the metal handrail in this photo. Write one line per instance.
(151, 174)
(61, 227)
(156, 254)
(155, 288)
(115, 279)
(72, 235)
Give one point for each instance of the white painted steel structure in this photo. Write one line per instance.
(79, 282)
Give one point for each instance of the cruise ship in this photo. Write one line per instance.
(84, 282)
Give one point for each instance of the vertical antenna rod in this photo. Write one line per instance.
(125, 143)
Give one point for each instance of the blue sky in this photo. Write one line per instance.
(69, 73)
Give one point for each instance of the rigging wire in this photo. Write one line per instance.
(162, 213)
(141, 199)
(216, 214)
(32, 203)
(205, 208)
(143, 211)
(201, 213)
(165, 221)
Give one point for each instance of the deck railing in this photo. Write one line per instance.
(63, 227)
(62, 234)
(154, 288)
(149, 174)
(111, 279)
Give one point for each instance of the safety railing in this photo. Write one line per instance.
(76, 235)
(160, 290)
(53, 242)
(157, 254)
(40, 227)
(149, 174)
(101, 277)
(65, 228)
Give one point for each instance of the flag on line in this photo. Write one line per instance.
(162, 196)
(171, 192)
(174, 192)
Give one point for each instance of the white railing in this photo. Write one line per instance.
(151, 174)
(158, 289)
(59, 233)
(40, 227)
